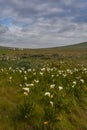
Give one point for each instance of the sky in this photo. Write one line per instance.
(42, 23)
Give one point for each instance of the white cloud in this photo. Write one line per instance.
(39, 23)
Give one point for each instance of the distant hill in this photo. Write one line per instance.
(82, 45)
(77, 46)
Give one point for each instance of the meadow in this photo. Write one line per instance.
(43, 89)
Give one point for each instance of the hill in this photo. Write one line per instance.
(77, 46)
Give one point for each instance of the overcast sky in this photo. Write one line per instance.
(42, 23)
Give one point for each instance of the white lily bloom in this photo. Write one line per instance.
(47, 94)
(52, 85)
(36, 81)
(25, 78)
(60, 88)
(41, 73)
(26, 89)
(51, 102)
(43, 69)
(25, 93)
(10, 78)
(20, 71)
(82, 80)
(73, 86)
(74, 82)
(29, 70)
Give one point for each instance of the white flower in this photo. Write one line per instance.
(47, 94)
(33, 70)
(10, 78)
(76, 69)
(74, 82)
(31, 85)
(25, 78)
(43, 69)
(57, 75)
(26, 89)
(48, 69)
(51, 96)
(52, 75)
(85, 69)
(25, 72)
(34, 73)
(51, 102)
(25, 93)
(36, 81)
(20, 85)
(82, 80)
(2, 70)
(20, 71)
(73, 86)
(60, 87)
(41, 73)
(27, 85)
(10, 68)
(64, 75)
(52, 85)
(29, 70)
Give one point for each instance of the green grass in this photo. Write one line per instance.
(56, 95)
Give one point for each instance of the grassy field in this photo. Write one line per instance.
(43, 89)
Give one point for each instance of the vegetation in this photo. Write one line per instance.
(43, 89)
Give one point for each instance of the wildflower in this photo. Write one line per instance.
(26, 89)
(10, 68)
(51, 102)
(33, 70)
(2, 70)
(27, 85)
(74, 82)
(13, 71)
(20, 71)
(10, 78)
(29, 70)
(47, 94)
(51, 69)
(20, 85)
(26, 93)
(85, 69)
(41, 73)
(64, 75)
(73, 86)
(52, 75)
(25, 72)
(76, 69)
(52, 85)
(25, 78)
(82, 80)
(60, 88)
(36, 81)
(31, 85)
(57, 75)
(48, 69)
(34, 73)
(51, 96)
(43, 69)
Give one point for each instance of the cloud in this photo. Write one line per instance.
(38, 23)
(2, 29)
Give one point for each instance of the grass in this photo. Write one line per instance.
(43, 89)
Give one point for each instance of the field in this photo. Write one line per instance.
(43, 89)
